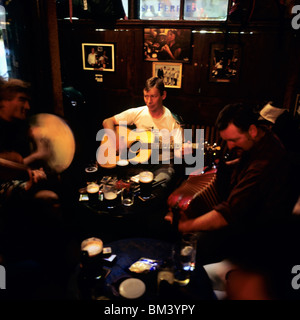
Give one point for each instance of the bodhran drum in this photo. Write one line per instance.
(57, 135)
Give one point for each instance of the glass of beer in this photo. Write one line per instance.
(93, 191)
(110, 195)
(92, 245)
(122, 167)
(146, 180)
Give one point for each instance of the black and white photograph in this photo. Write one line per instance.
(171, 73)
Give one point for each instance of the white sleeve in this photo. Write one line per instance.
(127, 115)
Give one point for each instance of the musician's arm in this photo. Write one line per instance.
(8, 188)
(43, 152)
(32, 158)
(211, 220)
(109, 123)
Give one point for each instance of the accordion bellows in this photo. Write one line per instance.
(197, 195)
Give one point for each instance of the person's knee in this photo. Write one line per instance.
(48, 202)
(47, 196)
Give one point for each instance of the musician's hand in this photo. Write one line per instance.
(43, 152)
(183, 223)
(169, 216)
(35, 176)
(43, 149)
(38, 175)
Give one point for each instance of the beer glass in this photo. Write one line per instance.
(184, 256)
(93, 191)
(110, 195)
(146, 180)
(127, 195)
(92, 245)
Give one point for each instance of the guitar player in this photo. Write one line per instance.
(153, 116)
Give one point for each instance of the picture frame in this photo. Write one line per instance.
(224, 63)
(162, 44)
(98, 56)
(171, 73)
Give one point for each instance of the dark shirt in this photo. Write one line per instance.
(286, 127)
(260, 186)
(163, 55)
(14, 137)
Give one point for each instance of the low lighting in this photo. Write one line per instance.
(73, 18)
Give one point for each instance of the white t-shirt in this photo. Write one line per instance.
(142, 119)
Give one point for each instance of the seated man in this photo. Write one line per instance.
(154, 117)
(259, 191)
(30, 213)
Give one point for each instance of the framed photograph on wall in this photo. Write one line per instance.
(224, 63)
(167, 44)
(171, 73)
(98, 56)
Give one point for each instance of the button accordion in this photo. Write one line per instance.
(196, 195)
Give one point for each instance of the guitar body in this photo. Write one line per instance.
(136, 146)
(132, 145)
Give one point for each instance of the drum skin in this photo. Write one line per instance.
(59, 137)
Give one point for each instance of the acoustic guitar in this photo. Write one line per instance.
(137, 147)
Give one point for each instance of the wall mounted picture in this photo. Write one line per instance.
(224, 63)
(171, 73)
(98, 56)
(167, 44)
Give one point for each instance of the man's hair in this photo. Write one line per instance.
(9, 88)
(155, 82)
(242, 116)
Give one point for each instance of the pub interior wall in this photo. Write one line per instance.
(261, 74)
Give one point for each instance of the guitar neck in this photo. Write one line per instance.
(159, 145)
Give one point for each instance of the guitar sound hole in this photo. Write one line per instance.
(134, 149)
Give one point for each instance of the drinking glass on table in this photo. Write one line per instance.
(184, 256)
(146, 181)
(127, 195)
(93, 191)
(110, 195)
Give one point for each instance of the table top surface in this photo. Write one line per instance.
(130, 250)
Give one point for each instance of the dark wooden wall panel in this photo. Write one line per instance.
(198, 100)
